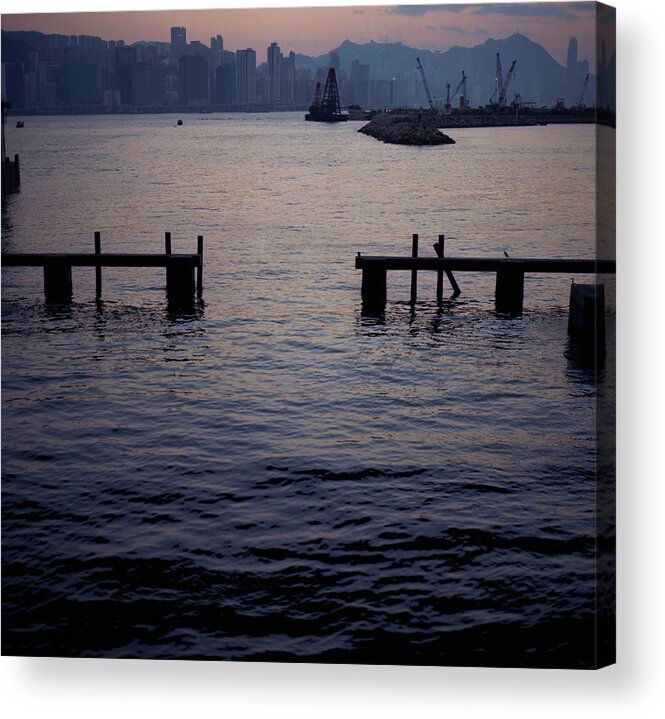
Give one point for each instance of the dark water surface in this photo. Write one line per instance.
(275, 476)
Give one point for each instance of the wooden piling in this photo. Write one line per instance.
(58, 281)
(167, 243)
(414, 273)
(439, 249)
(510, 287)
(180, 281)
(98, 269)
(199, 269)
(453, 282)
(439, 274)
(586, 314)
(373, 290)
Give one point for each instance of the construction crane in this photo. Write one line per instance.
(506, 82)
(450, 98)
(501, 102)
(580, 103)
(427, 92)
(499, 80)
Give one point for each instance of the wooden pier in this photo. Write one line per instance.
(509, 274)
(180, 282)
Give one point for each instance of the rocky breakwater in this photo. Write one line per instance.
(405, 130)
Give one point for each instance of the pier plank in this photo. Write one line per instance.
(485, 264)
(97, 260)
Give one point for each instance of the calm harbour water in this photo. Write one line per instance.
(276, 476)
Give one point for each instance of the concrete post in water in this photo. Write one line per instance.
(586, 314)
(510, 287)
(98, 268)
(58, 281)
(374, 290)
(180, 281)
(199, 269)
(438, 248)
(414, 273)
(167, 243)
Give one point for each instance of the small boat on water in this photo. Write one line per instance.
(179, 122)
(20, 123)
(326, 108)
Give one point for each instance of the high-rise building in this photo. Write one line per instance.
(571, 72)
(31, 81)
(179, 36)
(157, 85)
(80, 84)
(57, 42)
(193, 80)
(50, 79)
(246, 76)
(91, 42)
(334, 61)
(140, 84)
(178, 45)
(217, 48)
(225, 81)
(274, 70)
(125, 57)
(13, 85)
(289, 93)
(359, 81)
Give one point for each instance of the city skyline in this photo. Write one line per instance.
(88, 73)
(316, 30)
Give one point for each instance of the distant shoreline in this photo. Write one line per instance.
(454, 121)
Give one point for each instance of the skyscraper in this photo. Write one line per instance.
(217, 48)
(225, 80)
(178, 36)
(193, 80)
(125, 57)
(274, 70)
(571, 72)
(290, 80)
(246, 76)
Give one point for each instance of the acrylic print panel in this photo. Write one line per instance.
(369, 416)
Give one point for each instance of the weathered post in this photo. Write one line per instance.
(414, 273)
(439, 273)
(167, 243)
(373, 290)
(199, 269)
(510, 287)
(98, 268)
(180, 281)
(586, 314)
(439, 249)
(58, 281)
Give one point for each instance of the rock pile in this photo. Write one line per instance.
(405, 130)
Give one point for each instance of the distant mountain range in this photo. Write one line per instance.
(538, 76)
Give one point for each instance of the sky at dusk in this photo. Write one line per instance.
(315, 30)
